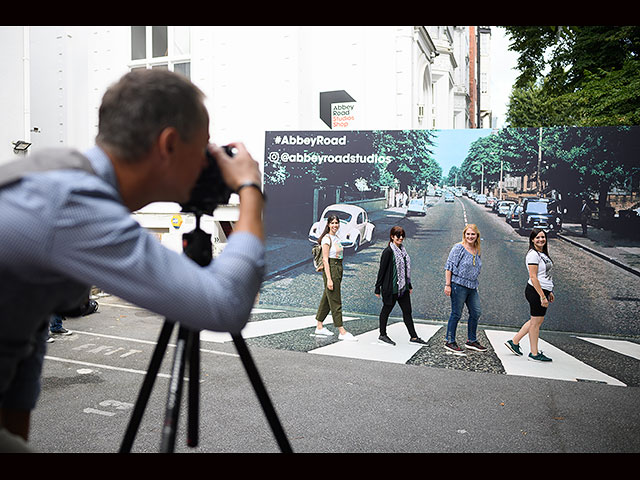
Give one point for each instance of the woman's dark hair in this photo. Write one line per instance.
(395, 231)
(534, 233)
(330, 219)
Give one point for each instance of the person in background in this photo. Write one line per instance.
(331, 301)
(55, 325)
(394, 284)
(585, 216)
(461, 284)
(56, 328)
(538, 292)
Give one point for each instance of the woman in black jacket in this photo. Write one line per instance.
(394, 281)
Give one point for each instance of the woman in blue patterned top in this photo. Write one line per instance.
(461, 284)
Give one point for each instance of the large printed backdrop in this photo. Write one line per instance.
(305, 171)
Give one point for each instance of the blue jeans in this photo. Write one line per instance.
(459, 297)
(55, 323)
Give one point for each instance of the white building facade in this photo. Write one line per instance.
(255, 78)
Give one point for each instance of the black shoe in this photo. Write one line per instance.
(385, 339)
(418, 340)
(61, 331)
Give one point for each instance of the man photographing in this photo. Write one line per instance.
(68, 229)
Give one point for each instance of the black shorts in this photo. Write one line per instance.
(535, 307)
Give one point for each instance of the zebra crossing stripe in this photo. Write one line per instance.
(624, 347)
(563, 366)
(268, 327)
(369, 348)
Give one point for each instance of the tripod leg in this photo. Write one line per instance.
(172, 411)
(261, 392)
(147, 386)
(194, 390)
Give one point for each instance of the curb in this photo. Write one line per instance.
(274, 273)
(601, 255)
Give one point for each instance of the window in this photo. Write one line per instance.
(138, 43)
(184, 68)
(159, 42)
(164, 47)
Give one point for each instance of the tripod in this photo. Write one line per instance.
(197, 246)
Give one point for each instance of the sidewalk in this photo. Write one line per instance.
(621, 251)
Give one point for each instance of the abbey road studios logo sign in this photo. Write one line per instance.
(336, 109)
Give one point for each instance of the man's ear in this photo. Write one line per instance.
(167, 142)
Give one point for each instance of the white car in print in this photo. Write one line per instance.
(355, 228)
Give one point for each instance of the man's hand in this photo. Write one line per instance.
(239, 169)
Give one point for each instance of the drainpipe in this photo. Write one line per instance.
(26, 82)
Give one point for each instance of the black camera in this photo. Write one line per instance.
(210, 190)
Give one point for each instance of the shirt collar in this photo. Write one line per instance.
(102, 165)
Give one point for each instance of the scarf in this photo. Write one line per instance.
(403, 266)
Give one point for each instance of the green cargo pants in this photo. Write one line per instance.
(332, 299)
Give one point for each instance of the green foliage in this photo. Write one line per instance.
(572, 160)
(413, 164)
(575, 75)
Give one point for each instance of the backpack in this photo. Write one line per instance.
(316, 253)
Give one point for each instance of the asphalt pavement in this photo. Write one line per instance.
(326, 403)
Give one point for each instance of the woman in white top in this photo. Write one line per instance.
(538, 292)
(332, 253)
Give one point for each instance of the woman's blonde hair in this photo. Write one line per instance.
(473, 227)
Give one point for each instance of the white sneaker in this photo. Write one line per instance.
(347, 337)
(324, 331)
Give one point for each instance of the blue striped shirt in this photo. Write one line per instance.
(65, 230)
(461, 264)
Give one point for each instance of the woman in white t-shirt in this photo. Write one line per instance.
(332, 253)
(538, 292)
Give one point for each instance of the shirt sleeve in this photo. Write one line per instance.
(532, 258)
(98, 242)
(454, 258)
(384, 264)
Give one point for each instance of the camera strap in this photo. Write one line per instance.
(44, 160)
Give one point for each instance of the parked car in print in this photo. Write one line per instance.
(541, 213)
(448, 197)
(481, 199)
(417, 206)
(355, 228)
(504, 206)
(513, 215)
(491, 201)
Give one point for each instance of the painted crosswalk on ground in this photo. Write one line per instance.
(282, 331)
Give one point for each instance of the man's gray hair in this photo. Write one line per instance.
(141, 104)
